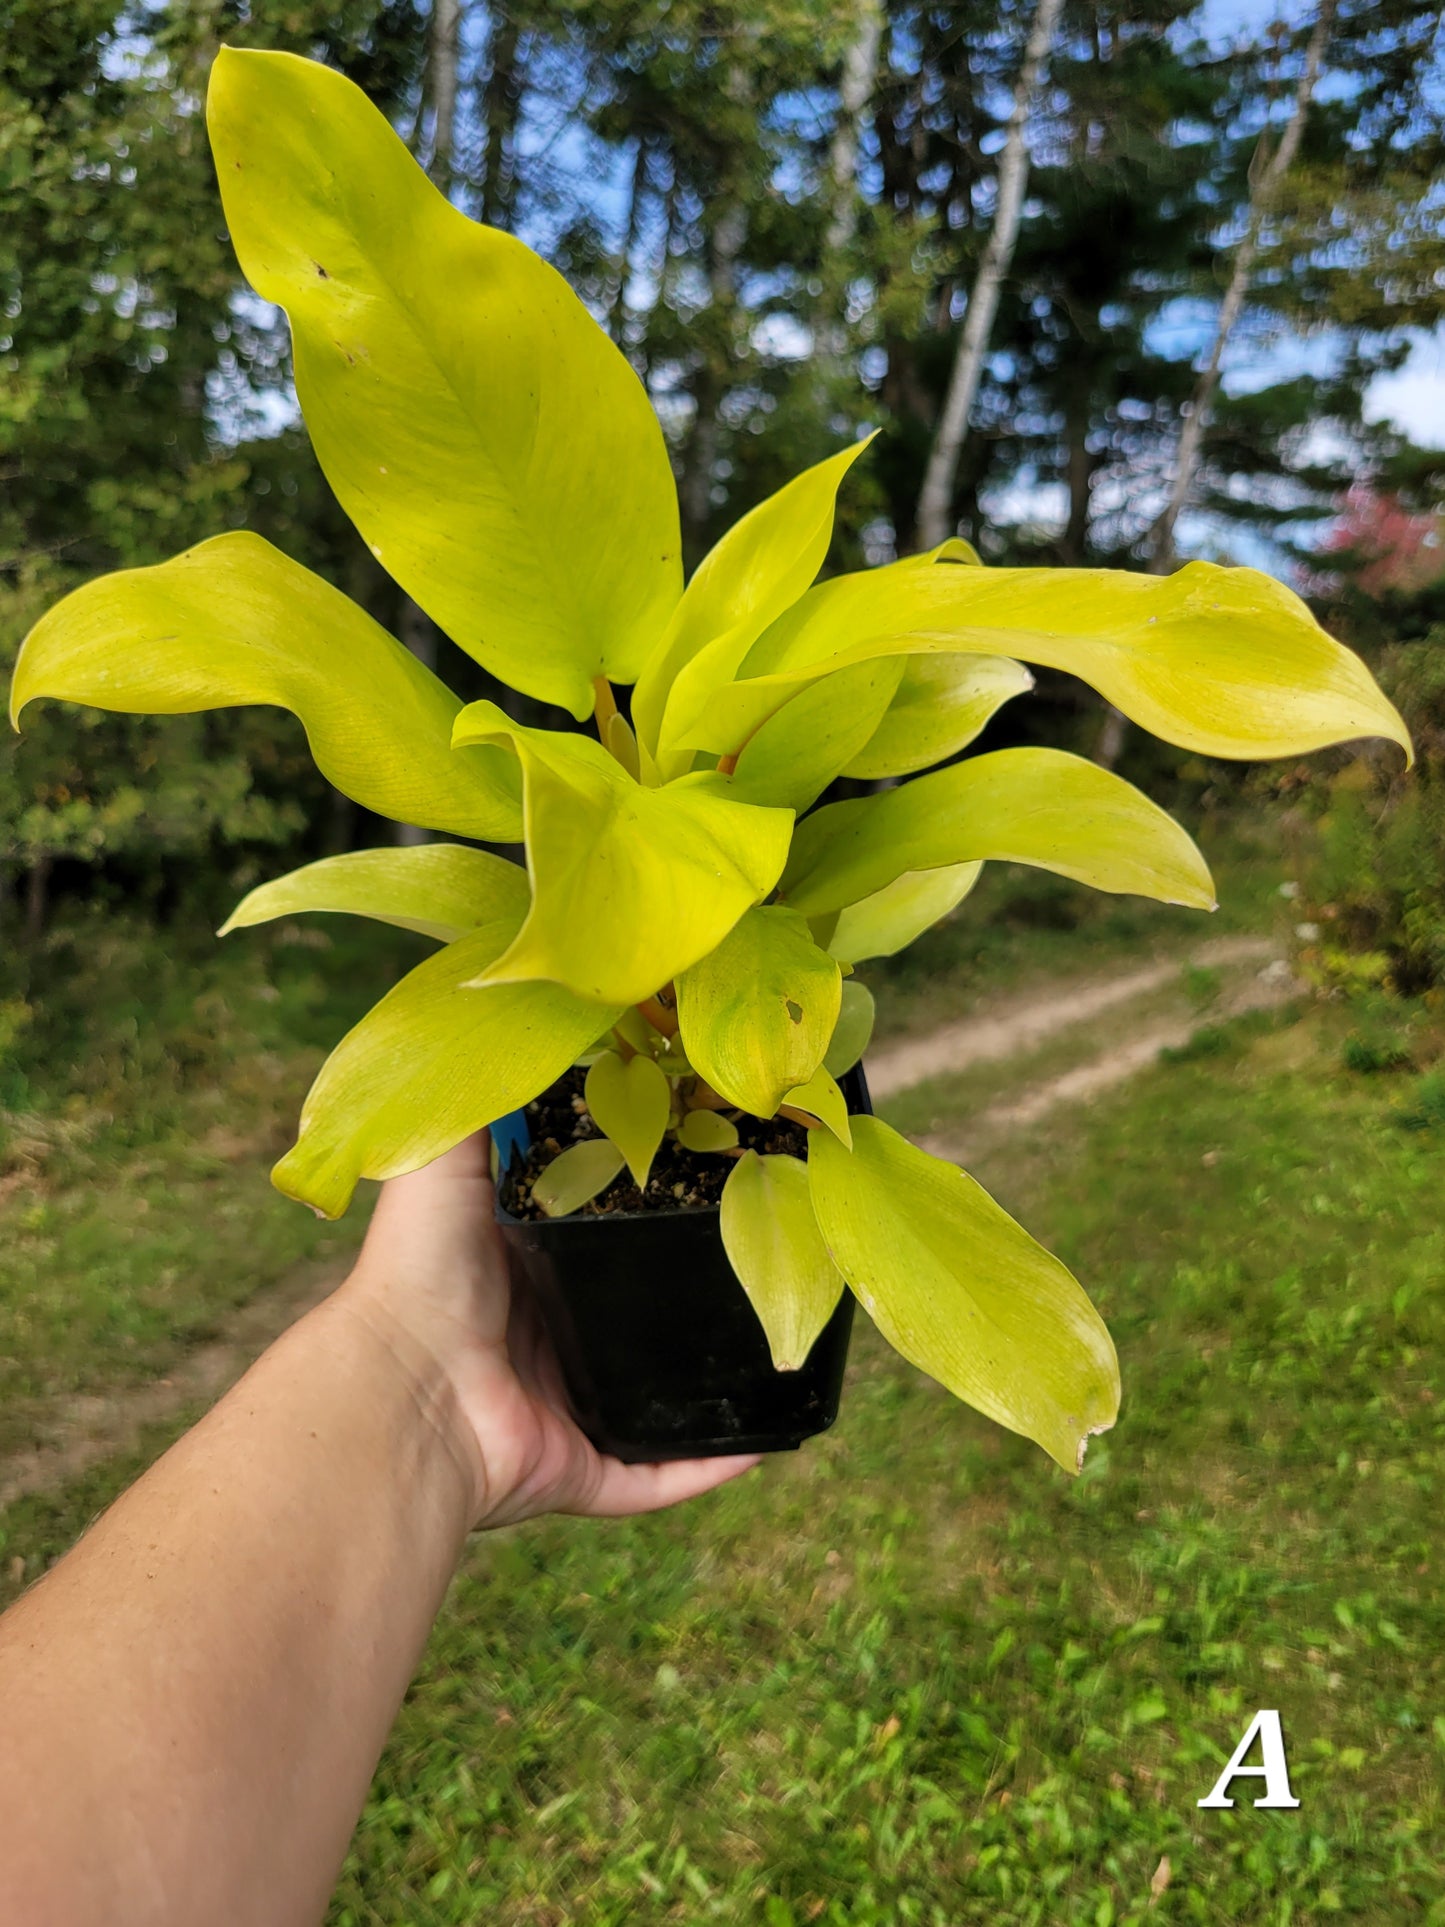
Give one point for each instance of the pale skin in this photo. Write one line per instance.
(193, 1701)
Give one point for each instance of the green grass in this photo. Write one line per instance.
(146, 1085)
(913, 1674)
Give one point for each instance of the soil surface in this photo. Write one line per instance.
(680, 1179)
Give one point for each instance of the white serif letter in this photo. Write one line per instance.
(1274, 1772)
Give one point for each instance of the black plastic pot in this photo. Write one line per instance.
(661, 1353)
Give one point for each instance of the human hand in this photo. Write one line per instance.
(432, 1280)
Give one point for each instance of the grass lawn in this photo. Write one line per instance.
(146, 1084)
(914, 1673)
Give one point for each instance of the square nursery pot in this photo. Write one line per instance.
(662, 1355)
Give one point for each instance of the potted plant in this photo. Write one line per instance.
(668, 980)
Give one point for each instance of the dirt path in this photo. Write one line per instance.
(1021, 1024)
(84, 1431)
(1271, 987)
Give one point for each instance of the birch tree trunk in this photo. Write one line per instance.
(1264, 193)
(855, 90)
(936, 496)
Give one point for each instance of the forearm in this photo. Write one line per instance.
(192, 1703)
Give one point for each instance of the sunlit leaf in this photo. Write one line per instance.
(797, 753)
(756, 571)
(962, 1291)
(821, 1098)
(235, 621)
(630, 1100)
(941, 704)
(433, 1062)
(441, 889)
(706, 1131)
(756, 1013)
(1036, 806)
(852, 1030)
(576, 1175)
(1227, 662)
(630, 885)
(496, 451)
(888, 921)
(774, 1245)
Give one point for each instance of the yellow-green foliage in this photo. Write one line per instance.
(671, 929)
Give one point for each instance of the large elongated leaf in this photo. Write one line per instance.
(630, 885)
(941, 704)
(441, 889)
(756, 1013)
(493, 447)
(235, 621)
(1036, 806)
(752, 574)
(1228, 662)
(962, 1291)
(775, 1247)
(889, 920)
(433, 1062)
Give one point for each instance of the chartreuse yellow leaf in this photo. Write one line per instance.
(446, 373)
(758, 569)
(706, 1131)
(756, 1013)
(852, 1030)
(630, 885)
(1227, 662)
(962, 1291)
(576, 1175)
(235, 621)
(889, 920)
(434, 1061)
(797, 753)
(821, 1098)
(1036, 806)
(775, 1247)
(441, 889)
(630, 1100)
(941, 704)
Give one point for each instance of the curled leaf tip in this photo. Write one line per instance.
(1093, 1432)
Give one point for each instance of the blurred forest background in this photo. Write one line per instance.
(784, 211)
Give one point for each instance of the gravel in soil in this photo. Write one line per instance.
(680, 1180)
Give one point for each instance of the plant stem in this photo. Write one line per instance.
(605, 705)
(660, 1015)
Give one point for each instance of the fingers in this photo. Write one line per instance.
(624, 1489)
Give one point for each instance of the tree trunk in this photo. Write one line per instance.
(1080, 472)
(442, 84)
(860, 73)
(37, 898)
(1264, 193)
(936, 496)
(700, 464)
(499, 109)
(617, 307)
